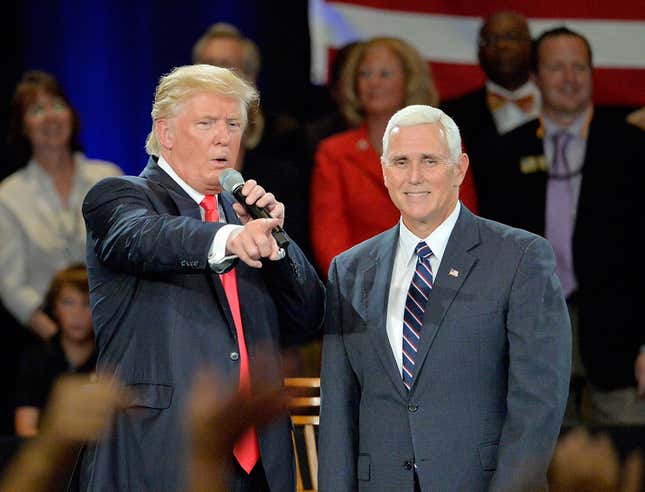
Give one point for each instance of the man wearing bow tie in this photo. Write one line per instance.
(509, 97)
(447, 345)
(181, 280)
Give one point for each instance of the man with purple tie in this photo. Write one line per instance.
(447, 345)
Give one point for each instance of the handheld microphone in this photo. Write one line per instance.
(232, 181)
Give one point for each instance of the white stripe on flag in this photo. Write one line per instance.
(452, 39)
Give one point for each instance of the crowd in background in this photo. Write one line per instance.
(534, 113)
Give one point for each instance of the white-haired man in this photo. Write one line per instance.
(447, 344)
(170, 297)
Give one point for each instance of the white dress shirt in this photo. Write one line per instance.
(39, 234)
(405, 263)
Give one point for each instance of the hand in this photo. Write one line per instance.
(637, 118)
(255, 194)
(79, 410)
(217, 418)
(639, 372)
(584, 463)
(254, 241)
(42, 325)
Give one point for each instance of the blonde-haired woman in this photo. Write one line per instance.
(349, 202)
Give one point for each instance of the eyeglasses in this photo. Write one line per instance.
(492, 40)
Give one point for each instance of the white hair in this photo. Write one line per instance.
(419, 114)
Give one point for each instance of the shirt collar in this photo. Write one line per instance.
(528, 88)
(192, 192)
(436, 241)
(577, 129)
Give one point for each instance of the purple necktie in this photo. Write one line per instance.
(559, 220)
(415, 306)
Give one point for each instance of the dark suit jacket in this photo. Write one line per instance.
(487, 400)
(609, 234)
(160, 314)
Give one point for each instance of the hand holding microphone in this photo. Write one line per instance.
(260, 238)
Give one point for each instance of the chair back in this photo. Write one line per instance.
(304, 406)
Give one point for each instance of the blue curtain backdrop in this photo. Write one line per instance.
(109, 56)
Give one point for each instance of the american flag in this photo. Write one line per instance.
(445, 32)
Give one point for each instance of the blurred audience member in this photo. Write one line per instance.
(273, 150)
(508, 99)
(637, 118)
(333, 122)
(585, 463)
(41, 226)
(575, 176)
(40, 204)
(77, 411)
(70, 350)
(349, 202)
(217, 420)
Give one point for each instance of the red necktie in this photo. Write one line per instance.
(247, 449)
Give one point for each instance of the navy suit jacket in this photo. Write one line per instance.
(488, 396)
(160, 315)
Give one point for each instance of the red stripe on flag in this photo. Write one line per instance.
(572, 9)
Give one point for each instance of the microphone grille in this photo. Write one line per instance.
(230, 179)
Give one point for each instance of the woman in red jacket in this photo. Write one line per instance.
(349, 202)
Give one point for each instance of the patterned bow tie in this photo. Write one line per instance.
(496, 101)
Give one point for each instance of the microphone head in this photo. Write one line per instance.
(230, 179)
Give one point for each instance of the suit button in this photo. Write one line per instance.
(407, 465)
(234, 356)
(412, 407)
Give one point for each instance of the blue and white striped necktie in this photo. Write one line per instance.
(415, 306)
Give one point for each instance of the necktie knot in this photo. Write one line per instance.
(209, 204)
(423, 251)
(560, 163)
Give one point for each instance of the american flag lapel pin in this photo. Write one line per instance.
(453, 273)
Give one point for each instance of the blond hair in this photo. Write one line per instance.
(184, 82)
(419, 86)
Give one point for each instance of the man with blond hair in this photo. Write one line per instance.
(183, 279)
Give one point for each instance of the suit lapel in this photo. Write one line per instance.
(182, 204)
(375, 290)
(455, 267)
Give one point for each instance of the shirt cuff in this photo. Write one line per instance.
(217, 258)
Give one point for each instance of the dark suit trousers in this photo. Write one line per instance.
(256, 481)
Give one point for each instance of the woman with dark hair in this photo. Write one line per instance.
(349, 201)
(70, 350)
(41, 224)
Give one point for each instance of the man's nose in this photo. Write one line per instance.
(222, 133)
(415, 175)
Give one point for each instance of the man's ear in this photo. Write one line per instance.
(165, 133)
(462, 167)
(383, 170)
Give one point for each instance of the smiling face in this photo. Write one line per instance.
(202, 139)
(564, 76)
(422, 181)
(47, 122)
(380, 82)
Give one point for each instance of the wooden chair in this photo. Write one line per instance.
(304, 406)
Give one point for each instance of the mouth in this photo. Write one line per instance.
(220, 161)
(416, 193)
